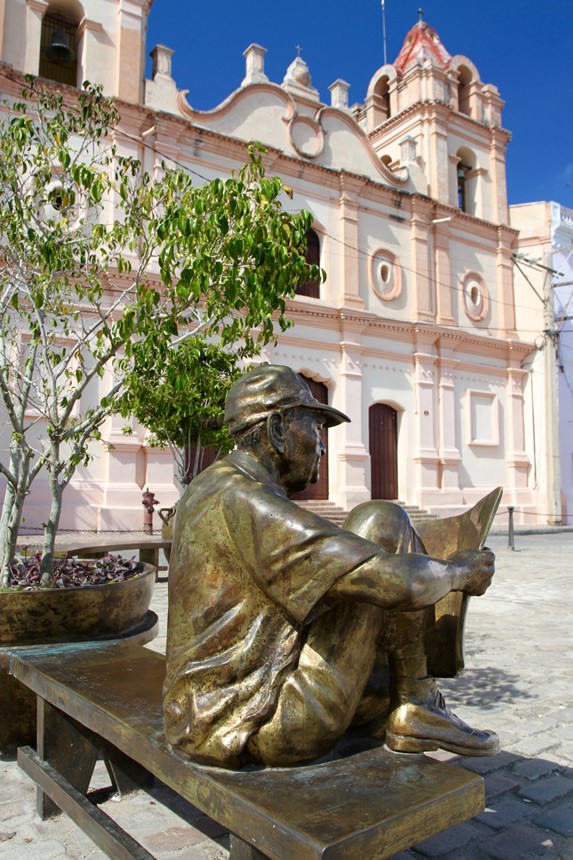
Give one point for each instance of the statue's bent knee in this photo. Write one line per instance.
(379, 521)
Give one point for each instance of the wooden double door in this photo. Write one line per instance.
(383, 444)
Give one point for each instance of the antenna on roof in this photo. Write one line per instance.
(384, 29)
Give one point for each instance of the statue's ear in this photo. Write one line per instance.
(276, 430)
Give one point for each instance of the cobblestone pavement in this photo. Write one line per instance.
(519, 681)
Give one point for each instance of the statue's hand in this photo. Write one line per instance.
(475, 569)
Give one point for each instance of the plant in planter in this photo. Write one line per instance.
(104, 270)
(97, 609)
(102, 599)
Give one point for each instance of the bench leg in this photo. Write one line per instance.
(68, 747)
(241, 850)
(126, 774)
(150, 555)
(101, 829)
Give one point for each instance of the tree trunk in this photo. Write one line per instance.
(12, 508)
(51, 527)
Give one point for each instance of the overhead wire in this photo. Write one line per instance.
(364, 253)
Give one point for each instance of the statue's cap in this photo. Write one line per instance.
(272, 388)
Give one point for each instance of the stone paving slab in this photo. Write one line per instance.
(518, 681)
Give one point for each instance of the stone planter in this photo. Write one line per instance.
(117, 610)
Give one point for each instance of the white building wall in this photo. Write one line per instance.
(418, 310)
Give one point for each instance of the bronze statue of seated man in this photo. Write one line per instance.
(282, 626)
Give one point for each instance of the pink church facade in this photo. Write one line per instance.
(414, 333)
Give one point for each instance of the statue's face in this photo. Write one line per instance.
(303, 449)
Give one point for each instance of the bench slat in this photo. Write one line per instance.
(95, 823)
(372, 804)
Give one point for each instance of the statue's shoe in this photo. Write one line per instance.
(425, 723)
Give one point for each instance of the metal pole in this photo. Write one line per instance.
(510, 535)
(552, 399)
(384, 30)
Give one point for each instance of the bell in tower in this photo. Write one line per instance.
(59, 50)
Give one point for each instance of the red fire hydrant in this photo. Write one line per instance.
(149, 501)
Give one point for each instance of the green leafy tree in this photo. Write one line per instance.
(101, 267)
(183, 405)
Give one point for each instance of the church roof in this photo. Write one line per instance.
(421, 45)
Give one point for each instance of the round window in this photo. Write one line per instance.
(386, 280)
(476, 299)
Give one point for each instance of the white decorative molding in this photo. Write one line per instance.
(306, 136)
(161, 61)
(385, 275)
(482, 418)
(339, 94)
(475, 297)
(255, 65)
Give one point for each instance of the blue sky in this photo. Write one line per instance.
(524, 48)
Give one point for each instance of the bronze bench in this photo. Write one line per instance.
(97, 701)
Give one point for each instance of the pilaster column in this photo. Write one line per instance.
(160, 146)
(89, 49)
(483, 204)
(449, 453)
(426, 458)
(421, 260)
(505, 291)
(438, 146)
(160, 477)
(123, 477)
(497, 171)
(128, 140)
(2, 26)
(352, 456)
(349, 239)
(453, 161)
(35, 11)
(131, 30)
(475, 100)
(444, 289)
(516, 457)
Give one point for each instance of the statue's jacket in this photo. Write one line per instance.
(248, 573)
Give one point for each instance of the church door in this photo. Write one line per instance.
(383, 432)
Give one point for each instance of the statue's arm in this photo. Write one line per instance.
(413, 581)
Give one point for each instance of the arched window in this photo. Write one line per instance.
(464, 82)
(462, 200)
(467, 180)
(382, 95)
(58, 46)
(312, 256)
